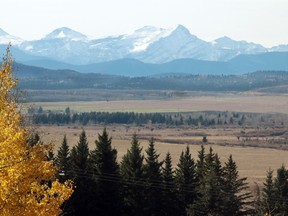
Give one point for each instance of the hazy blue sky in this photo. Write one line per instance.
(261, 21)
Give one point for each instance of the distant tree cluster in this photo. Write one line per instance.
(98, 117)
(129, 118)
(145, 185)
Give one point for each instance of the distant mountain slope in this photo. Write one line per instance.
(6, 38)
(148, 44)
(31, 77)
(131, 67)
(262, 61)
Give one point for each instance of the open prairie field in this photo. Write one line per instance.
(248, 102)
(253, 162)
(255, 149)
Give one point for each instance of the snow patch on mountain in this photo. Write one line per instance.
(65, 33)
(146, 36)
(61, 35)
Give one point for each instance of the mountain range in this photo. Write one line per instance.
(145, 51)
(148, 44)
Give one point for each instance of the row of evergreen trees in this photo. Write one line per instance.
(144, 185)
(121, 118)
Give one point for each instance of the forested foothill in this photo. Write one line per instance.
(197, 82)
(66, 85)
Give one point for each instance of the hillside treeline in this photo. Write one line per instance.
(65, 79)
(141, 184)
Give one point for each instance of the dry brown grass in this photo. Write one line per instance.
(252, 162)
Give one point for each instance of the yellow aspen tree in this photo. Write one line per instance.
(27, 179)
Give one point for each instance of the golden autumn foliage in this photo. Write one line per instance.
(27, 179)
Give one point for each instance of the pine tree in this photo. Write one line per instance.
(274, 200)
(281, 189)
(200, 165)
(51, 156)
(83, 198)
(62, 160)
(209, 189)
(153, 187)
(133, 179)
(170, 204)
(79, 156)
(186, 181)
(103, 162)
(235, 189)
(33, 139)
(267, 202)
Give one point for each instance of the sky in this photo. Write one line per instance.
(259, 21)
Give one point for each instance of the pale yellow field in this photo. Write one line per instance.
(226, 102)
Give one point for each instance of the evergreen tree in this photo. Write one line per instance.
(281, 189)
(79, 156)
(186, 181)
(153, 187)
(106, 175)
(170, 204)
(62, 160)
(209, 188)
(51, 156)
(33, 139)
(274, 200)
(200, 165)
(267, 203)
(200, 180)
(83, 198)
(235, 190)
(133, 179)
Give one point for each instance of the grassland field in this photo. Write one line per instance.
(255, 153)
(225, 102)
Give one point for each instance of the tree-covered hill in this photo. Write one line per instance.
(40, 78)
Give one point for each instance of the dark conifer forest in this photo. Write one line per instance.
(141, 184)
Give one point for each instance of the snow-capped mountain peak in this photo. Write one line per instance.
(3, 33)
(6, 38)
(181, 28)
(149, 44)
(224, 39)
(234, 47)
(148, 35)
(144, 37)
(148, 29)
(65, 33)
